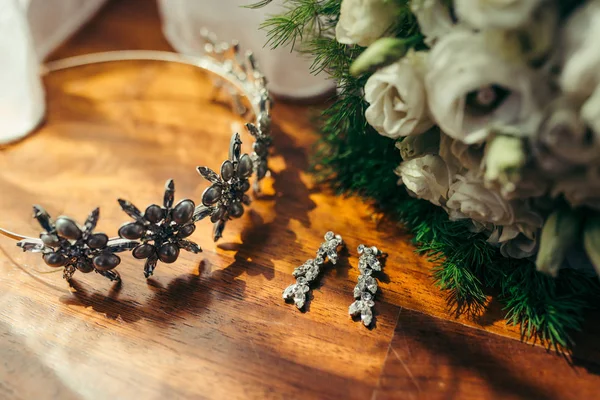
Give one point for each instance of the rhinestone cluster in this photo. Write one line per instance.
(309, 271)
(366, 288)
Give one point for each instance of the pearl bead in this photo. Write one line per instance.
(106, 261)
(97, 241)
(227, 170)
(131, 230)
(154, 213)
(183, 211)
(143, 251)
(54, 260)
(168, 253)
(67, 228)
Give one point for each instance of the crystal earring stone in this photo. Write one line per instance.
(364, 291)
(309, 271)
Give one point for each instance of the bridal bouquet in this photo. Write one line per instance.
(490, 112)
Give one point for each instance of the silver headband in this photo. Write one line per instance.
(160, 231)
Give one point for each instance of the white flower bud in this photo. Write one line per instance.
(397, 98)
(364, 21)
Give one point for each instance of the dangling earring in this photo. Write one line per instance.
(308, 272)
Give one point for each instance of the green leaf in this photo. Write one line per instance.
(560, 232)
(381, 53)
(258, 4)
(354, 159)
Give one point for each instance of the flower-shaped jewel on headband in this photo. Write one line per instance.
(260, 154)
(365, 289)
(65, 244)
(161, 230)
(226, 197)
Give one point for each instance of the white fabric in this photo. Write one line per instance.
(21, 94)
(31, 29)
(287, 72)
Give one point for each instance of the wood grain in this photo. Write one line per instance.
(430, 358)
(212, 325)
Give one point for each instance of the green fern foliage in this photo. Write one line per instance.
(354, 159)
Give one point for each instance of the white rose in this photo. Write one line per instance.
(502, 14)
(511, 225)
(563, 143)
(519, 247)
(364, 21)
(434, 17)
(397, 98)
(513, 243)
(461, 156)
(473, 87)
(416, 146)
(580, 75)
(426, 178)
(468, 198)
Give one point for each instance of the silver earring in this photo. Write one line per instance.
(308, 272)
(365, 290)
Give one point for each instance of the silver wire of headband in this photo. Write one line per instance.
(159, 232)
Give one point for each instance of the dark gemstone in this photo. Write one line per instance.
(245, 186)
(131, 230)
(236, 210)
(235, 147)
(245, 166)
(218, 230)
(186, 230)
(168, 253)
(183, 211)
(112, 275)
(211, 195)
(150, 265)
(260, 149)
(43, 218)
(202, 212)
(154, 213)
(97, 241)
(67, 228)
(55, 259)
(218, 214)
(49, 239)
(84, 266)
(143, 251)
(169, 194)
(261, 171)
(227, 170)
(106, 261)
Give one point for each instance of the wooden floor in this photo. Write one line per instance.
(214, 325)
